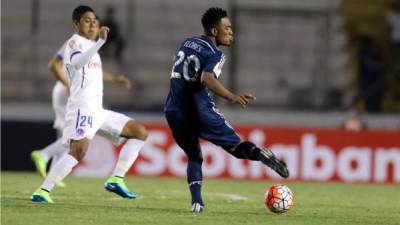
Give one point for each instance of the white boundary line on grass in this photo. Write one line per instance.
(230, 196)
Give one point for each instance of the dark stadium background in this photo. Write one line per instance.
(304, 60)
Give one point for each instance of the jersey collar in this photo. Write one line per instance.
(208, 40)
(85, 40)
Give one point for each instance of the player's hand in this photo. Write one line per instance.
(103, 32)
(242, 100)
(123, 81)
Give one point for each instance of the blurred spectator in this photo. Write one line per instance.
(355, 122)
(115, 43)
(394, 21)
(370, 74)
(392, 90)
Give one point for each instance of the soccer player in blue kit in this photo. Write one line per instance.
(190, 109)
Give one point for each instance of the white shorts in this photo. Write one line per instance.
(59, 100)
(84, 123)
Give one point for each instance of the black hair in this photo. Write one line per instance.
(212, 17)
(79, 11)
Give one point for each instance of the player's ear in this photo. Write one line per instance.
(214, 31)
(75, 24)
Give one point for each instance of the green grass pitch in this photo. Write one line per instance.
(166, 201)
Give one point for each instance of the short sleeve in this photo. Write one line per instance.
(60, 53)
(214, 64)
(74, 48)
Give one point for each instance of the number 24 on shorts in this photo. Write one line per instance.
(85, 120)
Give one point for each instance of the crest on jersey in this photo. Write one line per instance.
(72, 44)
(80, 132)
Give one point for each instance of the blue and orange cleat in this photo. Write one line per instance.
(118, 186)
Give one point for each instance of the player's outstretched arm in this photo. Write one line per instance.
(79, 60)
(117, 79)
(209, 80)
(56, 67)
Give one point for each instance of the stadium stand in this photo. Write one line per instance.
(291, 54)
(310, 60)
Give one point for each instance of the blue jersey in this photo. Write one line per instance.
(187, 93)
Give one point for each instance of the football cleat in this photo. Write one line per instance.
(40, 164)
(197, 208)
(268, 158)
(41, 196)
(118, 186)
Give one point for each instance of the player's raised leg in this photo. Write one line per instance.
(61, 169)
(222, 134)
(248, 150)
(136, 134)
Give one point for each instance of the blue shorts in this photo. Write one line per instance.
(206, 124)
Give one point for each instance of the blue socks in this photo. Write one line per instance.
(246, 150)
(195, 178)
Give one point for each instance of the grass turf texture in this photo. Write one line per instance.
(166, 201)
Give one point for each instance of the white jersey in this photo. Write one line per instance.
(86, 83)
(84, 112)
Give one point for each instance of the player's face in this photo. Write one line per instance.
(224, 32)
(88, 26)
(95, 33)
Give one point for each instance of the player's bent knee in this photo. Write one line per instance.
(79, 148)
(141, 133)
(138, 132)
(78, 153)
(135, 130)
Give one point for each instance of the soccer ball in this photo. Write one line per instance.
(279, 198)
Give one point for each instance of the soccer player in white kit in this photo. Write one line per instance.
(85, 114)
(59, 101)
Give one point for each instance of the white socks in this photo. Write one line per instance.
(60, 170)
(54, 149)
(127, 156)
(64, 166)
